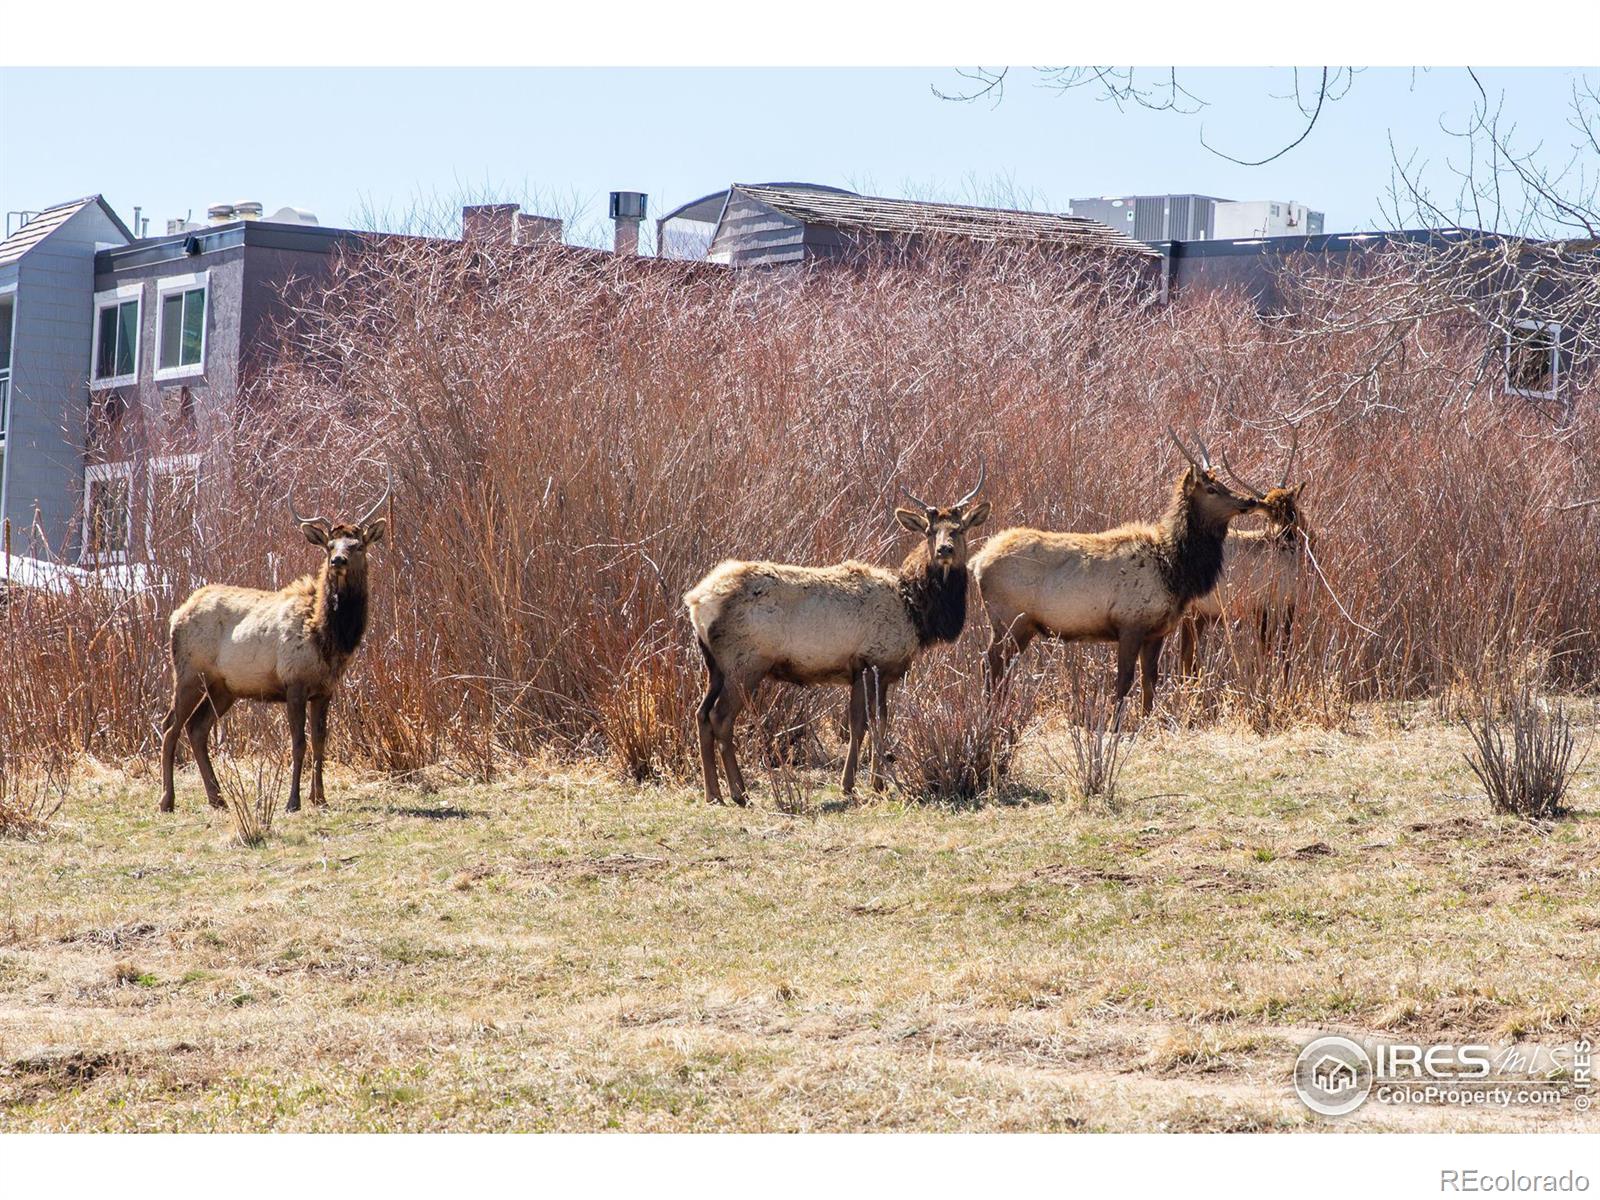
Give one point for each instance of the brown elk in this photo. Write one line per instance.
(851, 623)
(287, 647)
(1128, 585)
(1264, 570)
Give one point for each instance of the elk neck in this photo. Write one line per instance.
(936, 600)
(1190, 548)
(339, 612)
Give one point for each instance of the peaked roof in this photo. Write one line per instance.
(879, 214)
(48, 221)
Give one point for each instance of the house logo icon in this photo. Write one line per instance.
(1332, 1076)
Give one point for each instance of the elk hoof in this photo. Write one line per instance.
(167, 806)
(292, 806)
(217, 803)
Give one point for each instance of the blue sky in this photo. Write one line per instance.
(361, 146)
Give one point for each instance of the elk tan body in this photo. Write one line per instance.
(851, 623)
(289, 647)
(1128, 585)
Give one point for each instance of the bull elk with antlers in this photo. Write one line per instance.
(851, 623)
(1128, 585)
(1264, 566)
(287, 647)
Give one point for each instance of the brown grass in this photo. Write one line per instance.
(561, 950)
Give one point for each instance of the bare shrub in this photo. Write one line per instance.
(252, 768)
(1524, 754)
(1097, 747)
(952, 740)
(31, 790)
(577, 439)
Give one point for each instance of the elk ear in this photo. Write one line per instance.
(1298, 488)
(316, 532)
(374, 531)
(978, 515)
(916, 522)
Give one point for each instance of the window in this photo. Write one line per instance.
(1533, 359)
(181, 327)
(107, 512)
(116, 335)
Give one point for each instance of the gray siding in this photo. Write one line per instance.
(49, 381)
(754, 235)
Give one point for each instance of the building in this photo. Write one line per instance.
(116, 350)
(1193, 218)
(47, 340)
(774, 224)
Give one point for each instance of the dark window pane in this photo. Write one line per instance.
(7, 307)
(108, 516)
(106, 348)
(127, 335)
(171, 330)
(194, 324)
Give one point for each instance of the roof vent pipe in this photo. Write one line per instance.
(628, 211)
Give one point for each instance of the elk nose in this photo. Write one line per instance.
(339, 560)
(946, 551)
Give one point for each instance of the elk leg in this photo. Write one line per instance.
(1150, 659)
(880, 723)
(708, 737)
(723, 712)
(858, 726)
(1129, 643)
(1006, 644)
(185, 696)
(295, 709)
(1190, 632)
(319, 746)
(207, 713)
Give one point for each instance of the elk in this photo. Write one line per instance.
(287, 647)
(851, 623)
(1128, 585)
(1263, 580)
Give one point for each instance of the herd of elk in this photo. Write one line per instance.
(1264, 570)
(287, 647)
(1130, 585)
(852, 624)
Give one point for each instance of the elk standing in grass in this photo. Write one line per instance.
(1264, 566)
(287, 647)
(852, 623)
(1129, 585)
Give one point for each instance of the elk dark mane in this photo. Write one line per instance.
(338, 614)
(1190, 549)
(935, 598)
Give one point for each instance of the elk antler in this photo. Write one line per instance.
(388, 486)
(983, 473)
(298, 519)
(1184, 450)
(922, 504)
(1240, 480)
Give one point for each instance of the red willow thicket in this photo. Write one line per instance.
(575, 440)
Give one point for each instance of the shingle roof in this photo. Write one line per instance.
(47, 222)
(879, 214)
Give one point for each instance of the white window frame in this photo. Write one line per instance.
(1553, 328)
(112, 299)
(182, 283)
(172, 464)
(98, 474)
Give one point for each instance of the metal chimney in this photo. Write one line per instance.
(627, 210)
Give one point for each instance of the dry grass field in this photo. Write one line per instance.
(558, 951)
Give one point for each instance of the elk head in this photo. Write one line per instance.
(345, 543)
(946, 528)
(1213, 501)
(1281, 504)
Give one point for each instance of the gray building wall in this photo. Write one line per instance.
(49, 381)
